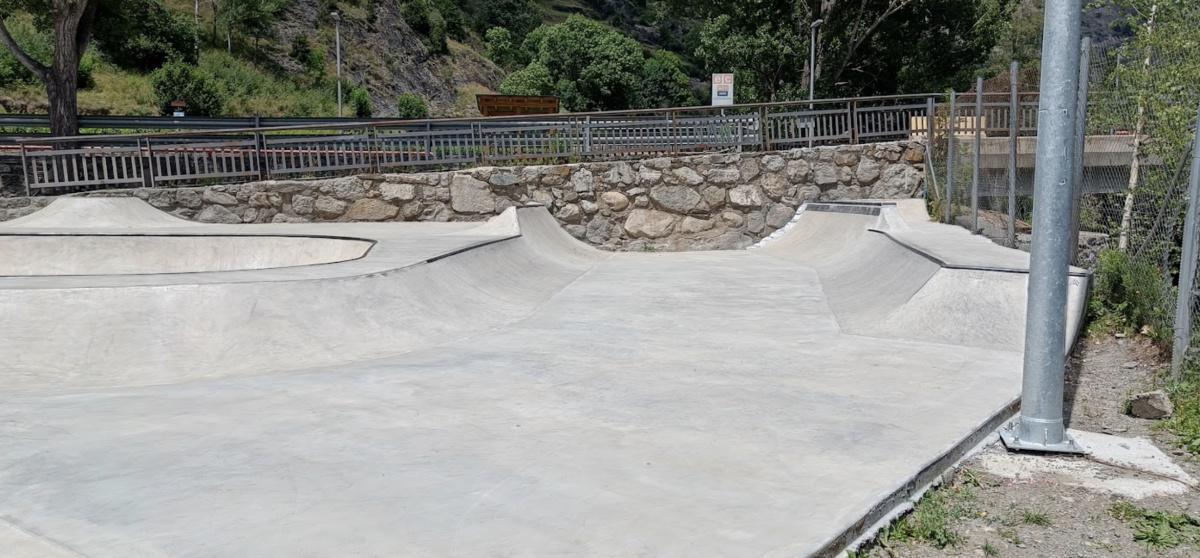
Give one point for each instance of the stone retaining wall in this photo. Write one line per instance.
(719, 201)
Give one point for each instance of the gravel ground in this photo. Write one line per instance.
(1043, 518)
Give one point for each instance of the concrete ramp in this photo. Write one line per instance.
(890, 272)
(96, 213)
(477, 389)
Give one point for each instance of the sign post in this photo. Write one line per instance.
(722, 90)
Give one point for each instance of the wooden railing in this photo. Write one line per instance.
(150, 160)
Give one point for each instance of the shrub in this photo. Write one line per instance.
(663, 82)
(360, 102)
(424, 18)
(1130, 294)
(182, 81)
(410, 106)
(312, 59)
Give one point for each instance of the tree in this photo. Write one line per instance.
(72, 22)
(251, 17)
(503, 49)
(534, 79)
(518, 16)
(410, 106)
(592, 66)
(863, 46)
(663, 83)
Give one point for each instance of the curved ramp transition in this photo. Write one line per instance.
(472, 389)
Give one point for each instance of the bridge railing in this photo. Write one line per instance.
(312, 150)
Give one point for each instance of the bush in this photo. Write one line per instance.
(518, 16)
(360, 102)
(179, 80)
(410, 106)
(663, 82)
(1130, 294)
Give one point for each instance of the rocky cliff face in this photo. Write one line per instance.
(381, 52)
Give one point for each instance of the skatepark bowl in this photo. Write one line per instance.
(176, 389)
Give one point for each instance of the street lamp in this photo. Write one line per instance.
(812, 59)
(337, 26)
(812, 73)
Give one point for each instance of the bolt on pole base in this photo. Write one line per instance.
(1010, 434)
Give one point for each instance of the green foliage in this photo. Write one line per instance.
(250, 17)
(1030, 517)
(411, 106)
(456, 20)
(143, 35)
(312, 59)
(503, 49)
(425, 18)
(247, 89)
(1157, 529)
(930, 521)
(360, 102)
(39, 45)
(179, 80)
(862, 48)
(1130, 294)
(1185, 422)
(518, 16)
(534, 79)
(663, 83)
(588, 65)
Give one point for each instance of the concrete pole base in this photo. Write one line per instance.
(1026, 434)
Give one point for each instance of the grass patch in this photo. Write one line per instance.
(989, 549)
(931, 520)
(1158, 530)
(1040, 519)
(1185, 423)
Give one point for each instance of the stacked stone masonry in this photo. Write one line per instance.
(719, 201)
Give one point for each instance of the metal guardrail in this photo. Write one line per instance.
(307, 149)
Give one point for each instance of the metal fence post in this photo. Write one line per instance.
(951, 148)
(763, 139)
(1081, 114)
(1187, 266)
(1014, 125)
(150, 170)
(376, 146)
(1040, 426)
(260, 158)
(851, 112)
(976, 156)
(145, 163)
(587, 137)
(25, 171)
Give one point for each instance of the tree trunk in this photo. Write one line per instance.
(62, 83)
(1135, 163)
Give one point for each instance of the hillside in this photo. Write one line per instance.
(276, 57)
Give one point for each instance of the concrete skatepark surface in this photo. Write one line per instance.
(467, 389)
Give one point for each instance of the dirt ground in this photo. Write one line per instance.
(980, 514)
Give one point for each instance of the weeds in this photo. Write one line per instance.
(989, 549)
(1040, 519)
(1130, 295)
(1185, 423)
(1157, 529)
(931, 519)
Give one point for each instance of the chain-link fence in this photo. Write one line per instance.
(1133, 178)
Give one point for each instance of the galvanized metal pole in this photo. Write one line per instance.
(1187, 266)
(975, 158)
(951, 148)
(1040, 426)
(1081, 112)
(1014, 125)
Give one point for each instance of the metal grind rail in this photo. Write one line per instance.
(260, 153)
